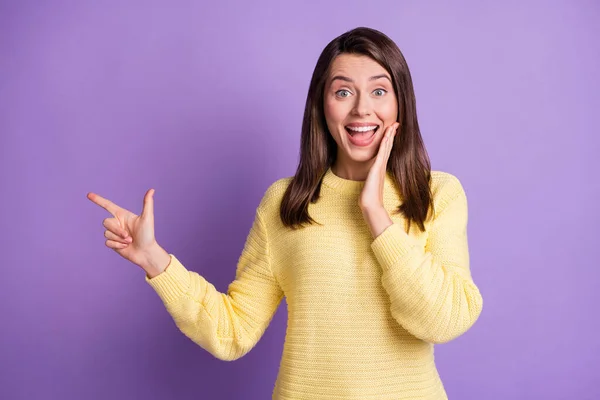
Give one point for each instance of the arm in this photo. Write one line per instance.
(226, 325)
(431, 291)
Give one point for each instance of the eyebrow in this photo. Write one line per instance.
(373, 78)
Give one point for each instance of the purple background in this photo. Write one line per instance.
(203, 102)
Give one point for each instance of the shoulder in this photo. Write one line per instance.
(273, 195)
(442, 181)
(446, 188)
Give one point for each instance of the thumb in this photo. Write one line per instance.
(148, 210)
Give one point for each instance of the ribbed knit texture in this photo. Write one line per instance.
(363, 314)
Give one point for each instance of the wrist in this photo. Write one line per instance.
(156, 261)
(377, 219)
(373, 210)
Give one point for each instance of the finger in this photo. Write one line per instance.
(116, 238)
(148, 210)
(389, 143)
(382, 149)
(104, 203)
(385, 145)
(115, 245)
(393, 132)
(394, 129)
(112, 224)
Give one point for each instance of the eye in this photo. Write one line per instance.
(343, 93)
(379, 92)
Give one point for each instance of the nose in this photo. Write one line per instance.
(362, 106)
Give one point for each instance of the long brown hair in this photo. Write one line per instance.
(409, 162)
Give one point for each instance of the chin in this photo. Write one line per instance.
(361, 156)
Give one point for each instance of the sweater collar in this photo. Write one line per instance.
(348, 186)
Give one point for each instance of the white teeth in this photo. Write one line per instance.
(361, 129)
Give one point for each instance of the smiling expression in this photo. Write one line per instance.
(359, 104)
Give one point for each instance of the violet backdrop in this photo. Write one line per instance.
(203, 101)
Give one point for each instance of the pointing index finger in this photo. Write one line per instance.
(104, 203)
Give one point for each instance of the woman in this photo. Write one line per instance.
(367, 244)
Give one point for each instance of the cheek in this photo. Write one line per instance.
(387, 110)
(334, 115)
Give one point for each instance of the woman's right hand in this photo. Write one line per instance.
(132, 236)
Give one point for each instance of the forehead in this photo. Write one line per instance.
(357, 67)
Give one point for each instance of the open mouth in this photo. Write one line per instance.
(363, 135)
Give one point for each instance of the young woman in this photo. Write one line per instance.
(366, 243)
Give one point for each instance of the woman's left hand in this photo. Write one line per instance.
(371, 196)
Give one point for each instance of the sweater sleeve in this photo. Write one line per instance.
(228, 325)
(431, 291)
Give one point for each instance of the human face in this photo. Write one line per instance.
(358, 93)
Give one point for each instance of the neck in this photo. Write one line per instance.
(352, 170)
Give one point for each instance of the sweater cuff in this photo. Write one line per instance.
(172, 283)
(391, 245)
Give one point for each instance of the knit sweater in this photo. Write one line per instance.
(363, 313)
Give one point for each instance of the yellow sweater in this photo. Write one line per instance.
(363, 314)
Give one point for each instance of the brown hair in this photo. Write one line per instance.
(408, 164)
